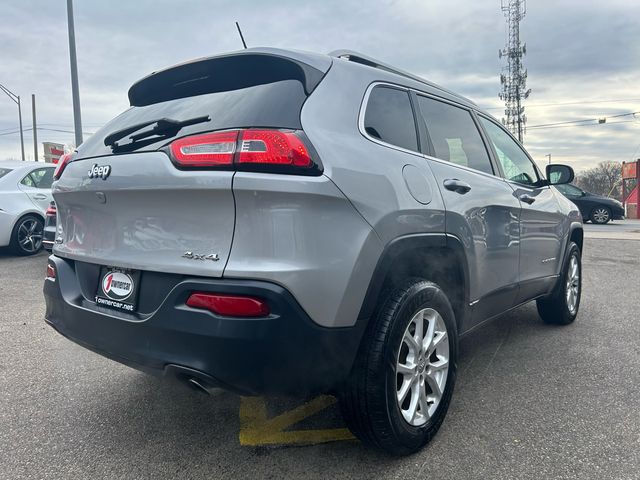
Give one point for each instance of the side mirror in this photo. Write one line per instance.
(559, 174)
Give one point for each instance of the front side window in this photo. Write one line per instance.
(569, 190)
(515, 163)
(389, 117)
(454, 135)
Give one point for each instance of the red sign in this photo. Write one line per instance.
(630, 170)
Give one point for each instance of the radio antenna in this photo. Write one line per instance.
(241, 36)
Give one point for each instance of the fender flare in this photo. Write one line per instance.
(400, 245)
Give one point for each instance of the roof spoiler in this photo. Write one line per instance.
(223, 73)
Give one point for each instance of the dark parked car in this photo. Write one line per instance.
(49, 235)
(597, 208)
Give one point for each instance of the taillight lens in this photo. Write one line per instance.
(208, 150)
(229, 305)
(273, 147)
(62, 164)
(258, 149)
(51, 211)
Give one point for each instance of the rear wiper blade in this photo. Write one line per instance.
(163, 127)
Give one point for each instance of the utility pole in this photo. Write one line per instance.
(77, 121)
(16, 99)
(35, 129)
(548, 155)
(514, 77)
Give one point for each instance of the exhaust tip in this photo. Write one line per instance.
(195, 384)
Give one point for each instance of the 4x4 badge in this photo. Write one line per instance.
(196, 256)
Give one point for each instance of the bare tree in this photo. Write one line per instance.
(604, 179)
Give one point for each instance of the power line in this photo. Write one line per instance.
(584, 125)
(583, 102)
(582, 121)
(47, 129)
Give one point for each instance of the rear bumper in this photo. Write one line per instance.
(285, 352)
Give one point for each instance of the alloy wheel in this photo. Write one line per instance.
(30, 235)
(601, 215)
(572, 290)
(422, 367)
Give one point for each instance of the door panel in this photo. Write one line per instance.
(485, 219)
(541, 221)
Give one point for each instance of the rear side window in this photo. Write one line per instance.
(40, 178)
(389, 117)
(4, 171)
(454, 135)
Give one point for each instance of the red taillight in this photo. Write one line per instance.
(51, 272)
(273, 147)
(62, 164)
(229, 305)
(51, 211)
(247, 149)
(208, 150)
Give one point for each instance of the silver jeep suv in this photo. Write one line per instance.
(274, 221)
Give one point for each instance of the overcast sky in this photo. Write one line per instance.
(580, 53)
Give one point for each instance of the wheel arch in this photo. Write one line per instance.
(436, 257)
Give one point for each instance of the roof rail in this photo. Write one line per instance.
(372, 62)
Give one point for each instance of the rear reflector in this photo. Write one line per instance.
(229, 305)
(51, 272)
(251, 149)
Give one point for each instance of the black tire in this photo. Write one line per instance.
(369, 401)
(554, 308)
(34, 245)
(600, 215)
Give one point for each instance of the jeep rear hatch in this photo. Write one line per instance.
(152, 189)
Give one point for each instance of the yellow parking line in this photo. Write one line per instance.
(256, 429)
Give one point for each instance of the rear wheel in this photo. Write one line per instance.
(26, 238)
(601, 215)
(561, 307)
(401, 385)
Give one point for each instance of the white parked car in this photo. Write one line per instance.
(25, 193)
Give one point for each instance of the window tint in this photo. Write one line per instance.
(28, 181)
(516, 165)
(569, 190)
(454, 135)
(40, 178)
(43, 177)
(389, 117)
(4, 171)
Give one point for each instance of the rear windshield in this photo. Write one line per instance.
(4, 171)
(276, 105)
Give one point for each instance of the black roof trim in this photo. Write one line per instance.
(356, 57)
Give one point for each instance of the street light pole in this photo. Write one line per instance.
(77, 121)
(16, 99)
(548, 155)
(35, 129)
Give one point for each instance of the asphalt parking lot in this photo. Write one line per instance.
(532, 400)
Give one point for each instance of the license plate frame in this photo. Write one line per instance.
(114, 293)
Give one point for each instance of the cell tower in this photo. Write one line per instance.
(514, 77)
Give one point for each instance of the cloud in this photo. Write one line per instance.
(578, 51)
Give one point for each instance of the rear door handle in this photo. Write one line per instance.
(456, 185)
(39, 196)
(527, 198)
